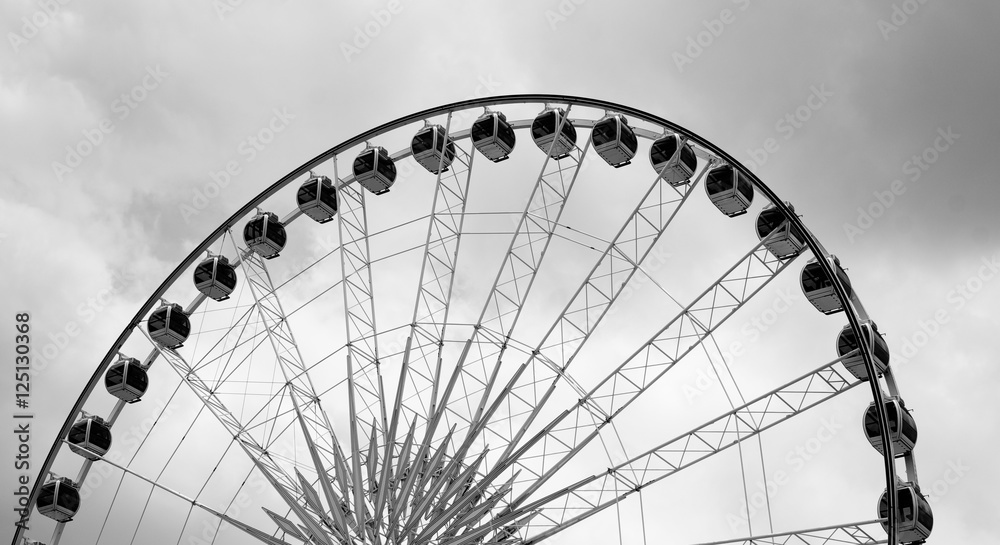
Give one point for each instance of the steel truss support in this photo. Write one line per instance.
(513, 282)
(315, 424)
(366, 396)
(592, 300)
(496, 322)
(420, 372)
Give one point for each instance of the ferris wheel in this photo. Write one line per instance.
(477, 324)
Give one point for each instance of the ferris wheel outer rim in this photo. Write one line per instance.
(855, 313)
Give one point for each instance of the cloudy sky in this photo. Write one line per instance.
(878, 121)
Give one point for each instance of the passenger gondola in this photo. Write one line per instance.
(781, 237)
(818, 287)
(126, 379)
(317, 198)
(374, 170)
(433, 148)
(493, 136)
(847, 342)
(90, 437)
(675, 167)
(902, 427)
(265, 235)
(729, 190)
(543, 131)
(59, 499)
(215, 277)
(169, 326)
(914, 519)
(614, 140)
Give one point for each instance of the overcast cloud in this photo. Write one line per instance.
(879, 123)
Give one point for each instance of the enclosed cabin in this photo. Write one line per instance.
(914, 519)
(847, 342)
(553, 133)
(126, 379)
(59, 499)
(265, 235)
(433, 148)
(317, 198)
(169, 326)
(902, 427)
(375, 170)
(818, 287)
(215, 277)
(90, 437)
(493, 136)
(781, 237)
(729, 190)
(673, 159)
(614, 140)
